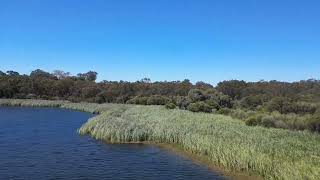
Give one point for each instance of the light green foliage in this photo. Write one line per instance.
(271, 153)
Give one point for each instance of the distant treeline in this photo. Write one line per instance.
(271, 104)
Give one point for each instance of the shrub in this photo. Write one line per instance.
(89, 92)
(314, 123)
(99, 99)
(225, 101)
(285, 106)
(122, 99)
(252, 102)
(20, 96)
(183, 102)
(199, 107)
(280, 124)
(196, 95)
(252, 121)
(157, 100)
(31, 96)
(279, 104)
(224, 111)
(170, 106)
(213, 103)
(268, 121)
(138, 100)
(302, 108)
(240, 114)
(277, 120)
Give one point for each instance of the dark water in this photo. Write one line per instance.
(42, 143)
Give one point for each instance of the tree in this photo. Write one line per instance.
(196, 95)
(225, 101)
(252, 102)
(203, 85)
(232, 88)
(89, 76)
(61, 74)
(13, 73)
(2, 74)
(90, 91)
(279, 104)
(145, 80)
(38, 73)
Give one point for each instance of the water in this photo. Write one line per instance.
(42, 143)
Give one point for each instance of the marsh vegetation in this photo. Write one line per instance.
(227, 142)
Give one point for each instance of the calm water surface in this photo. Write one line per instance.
(42, 143)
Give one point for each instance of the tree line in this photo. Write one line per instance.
(265, 103)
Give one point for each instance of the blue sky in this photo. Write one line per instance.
(209, 40)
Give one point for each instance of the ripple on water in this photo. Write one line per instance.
(42, 143)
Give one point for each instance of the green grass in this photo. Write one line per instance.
(227, 142)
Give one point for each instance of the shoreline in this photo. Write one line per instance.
(198, 159)
(225, 154)
(204, 161)
(201, 160)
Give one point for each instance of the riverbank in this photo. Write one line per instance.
(226, 142)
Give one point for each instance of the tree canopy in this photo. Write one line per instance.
(297, 101)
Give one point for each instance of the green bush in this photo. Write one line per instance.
(241, 114)
(99, 100)
(279, 104)
(199, 107)
(138, 100)
(268, 121)
(286, 106)
(213, 103)
(157, 100)
(170, 106)
(196, 95)
(224, 111)
(314, 123)
(284, 121)
(183, 102)
(252, 102)
(252, 121)
(302, 108)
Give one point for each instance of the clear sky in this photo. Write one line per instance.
(209, 40)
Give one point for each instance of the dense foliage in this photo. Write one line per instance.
(270, 104)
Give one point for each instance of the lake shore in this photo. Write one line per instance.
(219, 141)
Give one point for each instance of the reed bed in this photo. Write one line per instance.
(30, 103)
(270, 153)
(83, 106)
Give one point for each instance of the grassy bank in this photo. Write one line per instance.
(271, 153)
